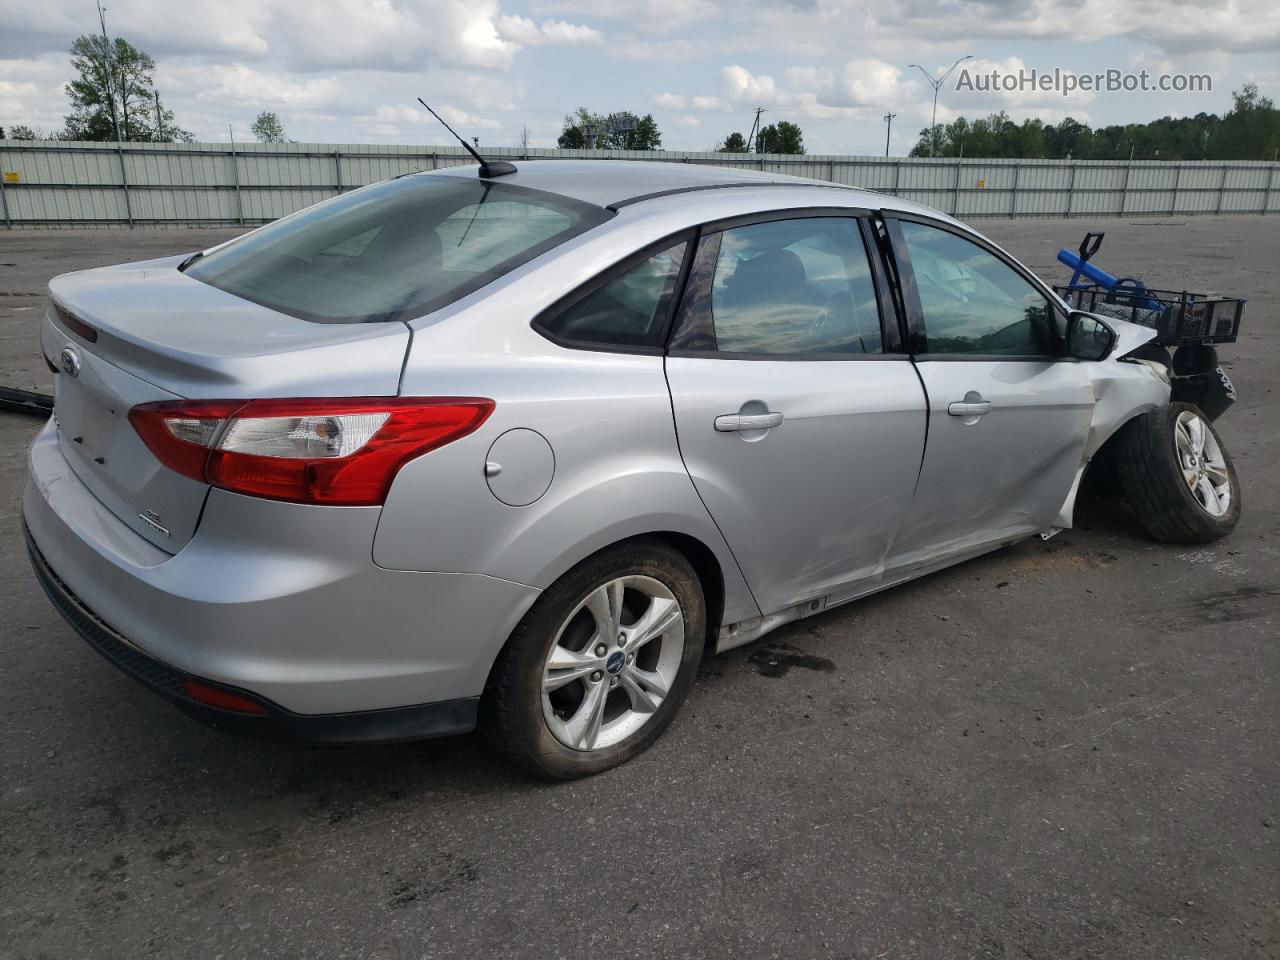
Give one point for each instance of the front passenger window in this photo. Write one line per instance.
(974, 302)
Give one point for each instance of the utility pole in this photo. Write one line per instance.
(937, 84)
(159, 119)
(888, 119)
(752, 146)
(106, 67)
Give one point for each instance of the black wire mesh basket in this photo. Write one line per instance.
(1178, 317)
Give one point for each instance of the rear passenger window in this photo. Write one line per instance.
(628, 311)
(782, 287)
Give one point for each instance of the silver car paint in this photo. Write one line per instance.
(334, 609)
(277, 598)
(1004, 474)
(844, 458)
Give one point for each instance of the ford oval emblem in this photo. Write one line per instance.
(69, 361)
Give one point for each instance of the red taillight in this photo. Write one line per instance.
(340, 452)
(212, 696)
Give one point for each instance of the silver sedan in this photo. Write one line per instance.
(513, 451)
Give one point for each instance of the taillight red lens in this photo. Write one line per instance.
(339, 451)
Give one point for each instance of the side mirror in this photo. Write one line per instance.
(1088, 338)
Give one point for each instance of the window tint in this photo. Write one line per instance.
(974, 302)
(629, 310)
(782, 287)
(394, 250)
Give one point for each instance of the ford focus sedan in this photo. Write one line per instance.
(514, 451)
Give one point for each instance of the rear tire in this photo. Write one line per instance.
(1177, 475)
(601, 663)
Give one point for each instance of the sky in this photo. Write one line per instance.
(347, 71)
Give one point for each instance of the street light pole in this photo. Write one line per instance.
(937, 85)
(888, 119)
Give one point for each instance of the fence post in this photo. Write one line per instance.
(1071, 189)
(955, 191)
(1124, 188)
(1266, 197)
(1013, 198)
(235, 176)
(337, 169)
(1222, 190)
(897, 175)
(4, 202)
(124, 183)
(1177, 183)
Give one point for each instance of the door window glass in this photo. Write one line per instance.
(783, 287)
(973, 302)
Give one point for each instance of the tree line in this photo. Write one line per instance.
(1249, 130)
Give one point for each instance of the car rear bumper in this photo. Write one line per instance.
(279, 601)
(275, 723)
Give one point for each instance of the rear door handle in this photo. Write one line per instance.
(736, 422)
(969, 408)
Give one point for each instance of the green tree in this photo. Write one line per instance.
(644, 136)
(20, 132)
(780, 137)
(268, 128)
(114, 84)
(1250, 130)
(733, 143)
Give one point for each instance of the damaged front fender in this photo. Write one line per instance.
(1122, 389)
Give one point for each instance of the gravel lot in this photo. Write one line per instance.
(1067, 749)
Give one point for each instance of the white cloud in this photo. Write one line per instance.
(524, 31)
(646, 16)
(740, 85)
(690, 121)
(707, 103)
(671, 101)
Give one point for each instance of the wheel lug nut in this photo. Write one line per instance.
(631, 658)
(622, 639)
(595, 676)
(601, 649)
(613, 681)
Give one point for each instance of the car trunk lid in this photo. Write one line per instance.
(143, 333)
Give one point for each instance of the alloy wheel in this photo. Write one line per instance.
(613, 663)
(1204, 468)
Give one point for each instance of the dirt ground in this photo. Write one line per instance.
(1062, 750)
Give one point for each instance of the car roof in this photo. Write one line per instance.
(617, 183)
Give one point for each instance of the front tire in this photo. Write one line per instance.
(1177, 476)
(599, 666)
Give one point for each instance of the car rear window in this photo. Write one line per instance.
(395, 250)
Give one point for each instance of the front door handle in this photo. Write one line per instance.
(969, 408)
(736, 422)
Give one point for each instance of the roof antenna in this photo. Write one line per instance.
(488, 168)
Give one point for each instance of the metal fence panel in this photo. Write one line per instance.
(55, 182)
